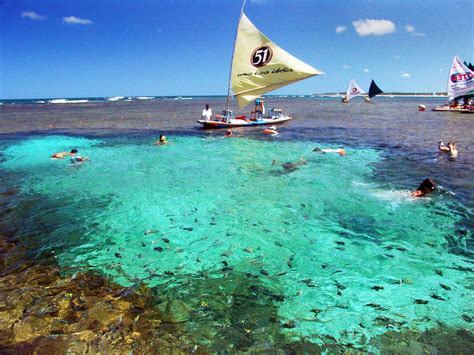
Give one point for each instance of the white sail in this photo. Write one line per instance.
(354, 90)
(460, 81)
(260, 66)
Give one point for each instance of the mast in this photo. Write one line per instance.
(232, 59)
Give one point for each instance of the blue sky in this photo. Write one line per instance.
(78, 48)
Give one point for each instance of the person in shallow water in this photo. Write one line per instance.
(162, 140)
(426, 187)
(271, 131)
(206, 113)
(228, 133)
(340, 151)
(450, 148)
(62, 155)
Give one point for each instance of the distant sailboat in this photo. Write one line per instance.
(374, 90)
(258, 66)
(352, 91)
(460, 85)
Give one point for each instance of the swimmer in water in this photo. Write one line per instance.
(453, 150)
(62, 155)
(228, 133)
(340, 151)
(426, 187)
(271, 131)
(442, 147)
(162, 140)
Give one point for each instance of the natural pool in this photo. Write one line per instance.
(234, 246)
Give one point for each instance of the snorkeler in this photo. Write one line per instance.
(426, 187)
(62, 155)
(340, 151)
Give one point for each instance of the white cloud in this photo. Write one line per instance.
(366, 70)
(405, 75)
(340, 29)
(32, 15)
(73, 20)
(369, 27)
(412, 31)
(345, 66)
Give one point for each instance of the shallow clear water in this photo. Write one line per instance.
(338, 250)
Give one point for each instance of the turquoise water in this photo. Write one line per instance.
(340, 254)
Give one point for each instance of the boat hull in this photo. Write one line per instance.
(243, 123)
(446, 108)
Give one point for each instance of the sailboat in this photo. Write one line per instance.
(258, 66)
(352, 91)
(460, 85)
(374, 90)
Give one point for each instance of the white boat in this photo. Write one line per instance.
(460, 85)
(353, 90)
(258, 66)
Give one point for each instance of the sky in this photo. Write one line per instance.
(88, 48)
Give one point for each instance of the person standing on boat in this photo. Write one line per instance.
(259, 109)
(206, 113)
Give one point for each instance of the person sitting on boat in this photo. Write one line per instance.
(259, 109)
(62, 155)
(339, 151)
(162, 140)
(455, 104)
(271, 130)
(426, 187)
(206, 113)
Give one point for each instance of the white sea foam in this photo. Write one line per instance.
(65, 101)
(115, 98)
(145, 97)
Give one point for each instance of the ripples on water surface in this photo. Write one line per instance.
(335, 249)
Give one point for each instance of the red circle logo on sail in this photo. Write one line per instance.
(261, 56)
(460, 77)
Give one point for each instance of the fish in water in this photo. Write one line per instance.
(418, 301)
(290, 166)
(436, 297)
